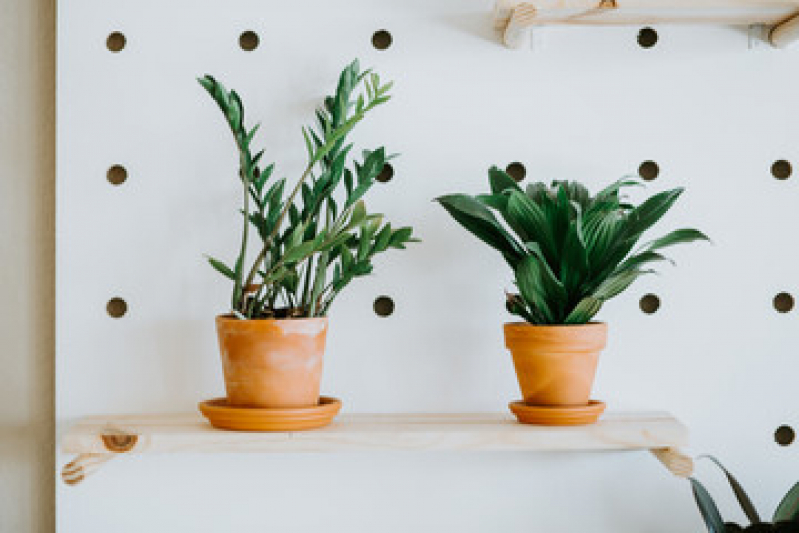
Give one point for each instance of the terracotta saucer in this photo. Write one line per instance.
(223, 416)
(558, 416)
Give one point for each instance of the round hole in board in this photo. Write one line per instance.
(781, 169)
(382, 40)
(784, 435)
(516, 171)
(649, 304)
(647, 38)
(116, 41)
(248, 41)
(384, 306)
(117, 175)
(783, 302)
(116, 307)
(386, 173)
(648, 170)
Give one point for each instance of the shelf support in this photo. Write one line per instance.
(675, 461)
(785, 33)
(114, 441)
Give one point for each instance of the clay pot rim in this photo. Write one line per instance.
(229, 317)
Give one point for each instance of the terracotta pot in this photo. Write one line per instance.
(272, 362)
(555, 365)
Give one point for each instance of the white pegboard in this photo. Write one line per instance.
(588, 105)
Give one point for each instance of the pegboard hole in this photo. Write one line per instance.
(248, 41)
(382, 40)
(516, 171)
(117, 175)
(386, 173)
(648, 170)
(649, 304)
(783, 302)
(781, 169)
(384, 306)
(784, 436)
(647, 38)
(116, 307)
(116, 42)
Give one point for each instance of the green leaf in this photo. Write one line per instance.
(500, 181)
(479, 221)
(299, 252)
(677, 237)
(539, 288)
(788, 509)
(400, 237)
(648, 213)
(530, 222)
(584, 311)
(740, 494)
(707, 507)
(222, 268)
(616, 284)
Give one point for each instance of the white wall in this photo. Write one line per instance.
(591, 105)
(27, 79)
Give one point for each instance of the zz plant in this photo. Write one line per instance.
(570, 251)
(313, 241)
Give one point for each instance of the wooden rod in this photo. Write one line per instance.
(785, 33)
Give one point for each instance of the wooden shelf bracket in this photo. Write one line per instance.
(675, 461)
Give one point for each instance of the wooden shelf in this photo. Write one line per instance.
(98, 438)
(514, 18)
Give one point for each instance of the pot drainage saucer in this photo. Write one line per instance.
(573, 415)
(224, 416)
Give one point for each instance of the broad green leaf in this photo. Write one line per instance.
(707, 507)
(740, 494)
(678, 236)
(500, 181)
(478, 220)
(788, 508)
(616, 284)
(648, 213)
(539, 288)
(584, 311)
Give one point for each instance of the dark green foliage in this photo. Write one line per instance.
(570, 251)
(319, 237)
(785, 520)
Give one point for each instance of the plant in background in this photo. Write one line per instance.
(570, 251)
(785, 519)
(318, 238)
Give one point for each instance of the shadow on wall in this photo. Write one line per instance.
(27, 183)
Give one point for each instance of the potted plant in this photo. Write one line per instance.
(784, 520)
(312, 241)
(569, 252)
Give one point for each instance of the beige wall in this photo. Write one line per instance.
(27, 80)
